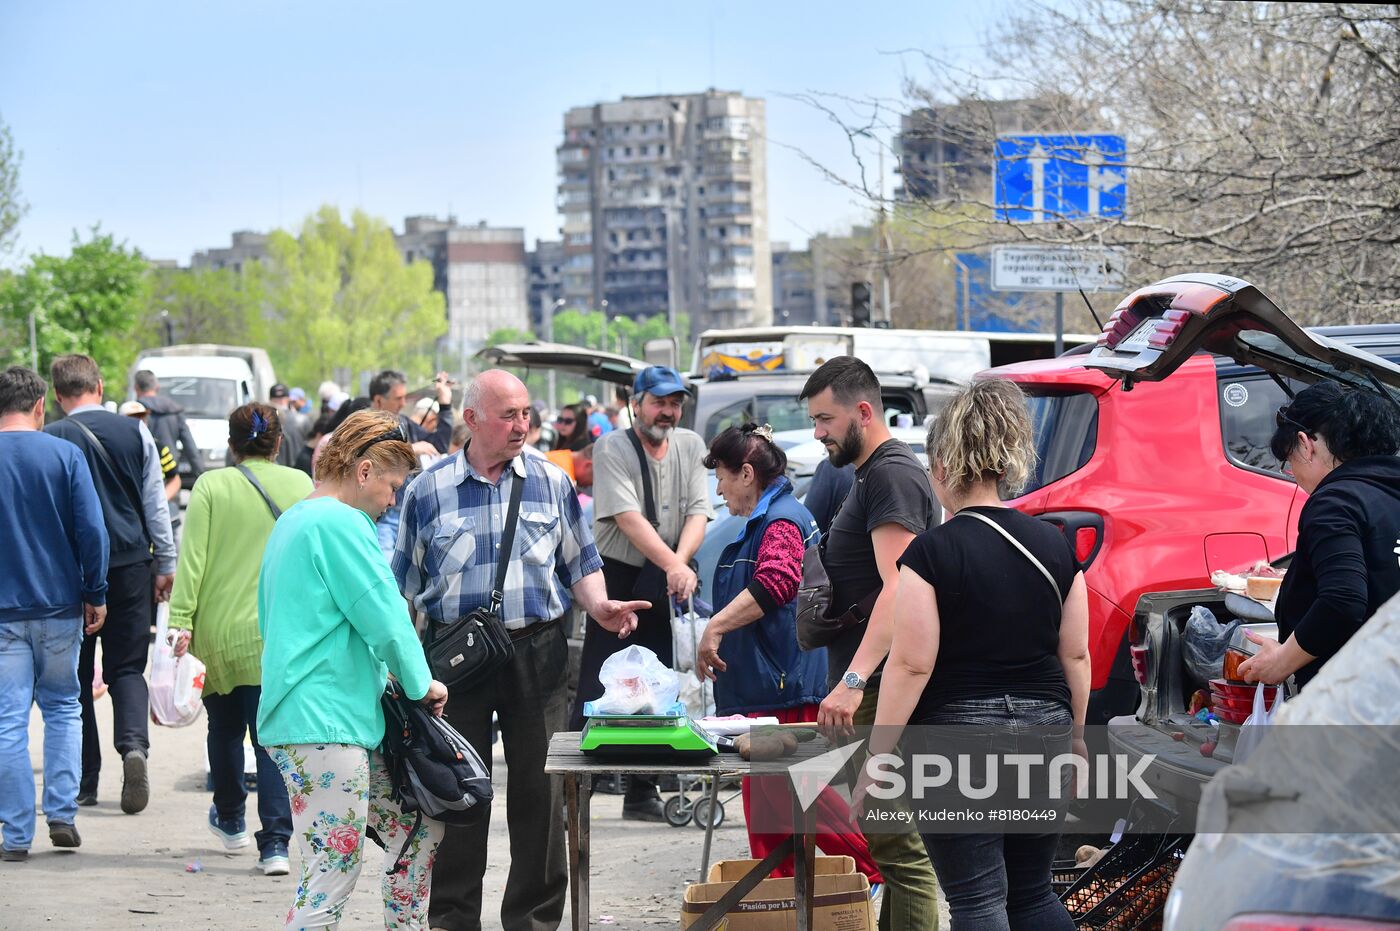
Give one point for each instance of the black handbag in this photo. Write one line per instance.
(473, 647)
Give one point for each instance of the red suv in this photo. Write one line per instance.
(1160, 483)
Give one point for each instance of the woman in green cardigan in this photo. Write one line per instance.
(334, 627)
(214, 614)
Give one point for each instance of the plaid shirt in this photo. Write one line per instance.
(450, 535)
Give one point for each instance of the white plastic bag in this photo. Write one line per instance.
(635, 681)
(177, 683)
(1252, 730)
(686, 632)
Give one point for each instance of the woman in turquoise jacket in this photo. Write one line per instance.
(750, 646)
(334, 626)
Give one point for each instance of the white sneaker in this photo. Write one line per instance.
(275, 865)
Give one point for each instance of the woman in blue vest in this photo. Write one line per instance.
(750, 649)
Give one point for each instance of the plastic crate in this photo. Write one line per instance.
(1064, 874)
(1137, 904)
(1123, 862)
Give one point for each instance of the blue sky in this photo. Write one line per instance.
(174, 124)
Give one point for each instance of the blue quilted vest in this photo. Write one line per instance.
(767, 671)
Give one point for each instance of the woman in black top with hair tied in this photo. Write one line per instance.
(1340, 444)
(988, 638)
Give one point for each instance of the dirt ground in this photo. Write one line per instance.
(134, 871)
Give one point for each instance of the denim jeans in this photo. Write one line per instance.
(39, 663)
(1000, 882)
(229, 717)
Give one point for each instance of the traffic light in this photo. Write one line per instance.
(860, 303)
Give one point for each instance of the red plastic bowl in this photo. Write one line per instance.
(1234, 689)
(1246, 705)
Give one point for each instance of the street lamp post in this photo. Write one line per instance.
(603, 306)
(169, 327)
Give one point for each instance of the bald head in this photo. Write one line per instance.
(493, 385)
(496, 409)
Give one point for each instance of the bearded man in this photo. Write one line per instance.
(648, 526)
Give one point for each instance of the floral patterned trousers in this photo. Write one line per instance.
(335, 790)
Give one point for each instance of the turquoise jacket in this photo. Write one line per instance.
(333, 626)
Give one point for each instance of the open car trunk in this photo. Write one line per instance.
(1157, 328)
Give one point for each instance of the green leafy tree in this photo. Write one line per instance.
(205, 305)
(339, 296)
(89, 302)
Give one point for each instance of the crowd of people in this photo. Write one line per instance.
(308, 571)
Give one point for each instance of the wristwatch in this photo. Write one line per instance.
(852, 680)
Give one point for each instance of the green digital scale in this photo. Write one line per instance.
(644, 737)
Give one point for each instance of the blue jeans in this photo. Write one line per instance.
(229, 717)
(387, 528)
(39, 663)
(1000, 882)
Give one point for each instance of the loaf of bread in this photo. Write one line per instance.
(1262, 589)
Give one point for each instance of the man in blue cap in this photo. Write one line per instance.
(650, 506)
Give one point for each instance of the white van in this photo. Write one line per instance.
(209, 388)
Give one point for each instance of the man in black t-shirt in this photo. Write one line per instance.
(889, 503)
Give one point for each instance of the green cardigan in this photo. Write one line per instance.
(334, 626)
(216, 583)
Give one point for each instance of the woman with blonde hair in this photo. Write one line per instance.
(991, 636)
(214, 615)
(334, 626)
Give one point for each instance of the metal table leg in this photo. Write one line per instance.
(803, 864)
(709, 829)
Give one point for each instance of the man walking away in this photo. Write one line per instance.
(890, 503)
(646, 541)
(167, 424)
(54, 589)
(446, 561)
(125, 467)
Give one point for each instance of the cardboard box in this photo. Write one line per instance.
(841, 898)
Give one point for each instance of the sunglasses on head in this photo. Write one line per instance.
(395, 434)
(1282, 418)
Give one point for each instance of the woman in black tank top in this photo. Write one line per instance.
(991, 637)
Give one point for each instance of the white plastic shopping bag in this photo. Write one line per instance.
(1252, 730)
(177, 682)
(635, 681)
(686, 632)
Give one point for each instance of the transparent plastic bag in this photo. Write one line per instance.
(177, 682)
(635, 681)
(1204, 643)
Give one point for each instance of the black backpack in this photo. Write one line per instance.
(434, 771)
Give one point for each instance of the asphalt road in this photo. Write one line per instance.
(133, 871)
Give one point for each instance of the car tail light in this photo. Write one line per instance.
(1120, 323)
(1139, 658)
(1085, 539)
(1167, 328)
(1306, 923)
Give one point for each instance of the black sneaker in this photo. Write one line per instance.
(87, 797)
(644, 809)
(13, 856)
(136, 782)
(64, 835)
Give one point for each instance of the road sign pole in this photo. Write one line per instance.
(1059, 323)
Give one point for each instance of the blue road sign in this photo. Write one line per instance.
(1040, 179)
(978, 307)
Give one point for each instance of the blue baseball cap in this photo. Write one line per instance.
(658, 380)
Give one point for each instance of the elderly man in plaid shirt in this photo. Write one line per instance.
(445, 562)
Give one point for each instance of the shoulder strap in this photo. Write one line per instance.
(131, 495)
(248, 474)
(648, 494)
(1024, 552)
(517, 488)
